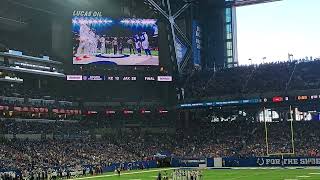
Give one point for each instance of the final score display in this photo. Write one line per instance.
(121, 41)
(118, 78)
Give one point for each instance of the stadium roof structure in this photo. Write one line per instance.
(238, 3)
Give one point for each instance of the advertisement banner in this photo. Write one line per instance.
(220, 103)
(176, 162)
(165, 78)
(196, 43)
(74, 77)
(271, 161)
(93, 78)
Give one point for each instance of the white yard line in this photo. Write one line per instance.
(303, 176)
(314, 173)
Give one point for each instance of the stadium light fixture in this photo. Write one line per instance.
(138, 22)
(85, 20)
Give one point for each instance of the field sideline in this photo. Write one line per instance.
(222, 174)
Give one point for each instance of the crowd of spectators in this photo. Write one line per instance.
(31, 157)
(242, 139)
(268, 77)
(26, 92)
(223, 139)
(11, 126)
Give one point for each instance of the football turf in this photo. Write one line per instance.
(223, 174)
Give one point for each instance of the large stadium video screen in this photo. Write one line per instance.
(115, 41)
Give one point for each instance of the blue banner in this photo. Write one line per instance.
(196, 43)
(271, 161)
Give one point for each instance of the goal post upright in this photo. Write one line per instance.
(292, 130)
(266, 130)
(292, 135)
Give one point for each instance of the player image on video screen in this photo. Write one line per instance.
(124, 41)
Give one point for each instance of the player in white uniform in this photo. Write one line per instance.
(95, 44)
(103, 45)
(83, 39)
(145, 43)
(91, 41)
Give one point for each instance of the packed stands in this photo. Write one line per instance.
(59, 143)
(243, 139)
(279, 77)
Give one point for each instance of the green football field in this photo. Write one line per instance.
(234, 174)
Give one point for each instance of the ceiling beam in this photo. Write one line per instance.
(239, 3)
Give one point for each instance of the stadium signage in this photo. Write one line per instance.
(221, 103)
(74, 77)
(272, 161)
(93, 78)
(144, 111)
(289, 161)
(193, 161)
(87, 13)
(277, 99)
(196, 43)
(163, 111)
(177, 162)
(110, 112)
(193, 105)
(302, 97)
(92, 112)
(165, 78)
(149, 79)
(111, 78)
(117, 78)
(66, 111)
(128, 112)
(30, 109)
(128, 78)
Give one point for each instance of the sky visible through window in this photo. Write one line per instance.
(275, 29)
